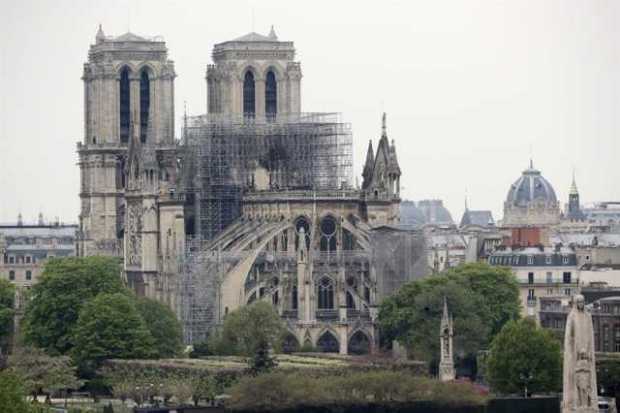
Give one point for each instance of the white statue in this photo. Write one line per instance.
(579, 384)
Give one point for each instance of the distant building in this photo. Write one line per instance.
(25, 248)
(482, 219)
(605, 319)
(541, 271)
(573, 211)
(531, 201)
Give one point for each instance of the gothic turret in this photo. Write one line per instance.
(368, 166)
(573, 211)
(381, 184)
(446, 365)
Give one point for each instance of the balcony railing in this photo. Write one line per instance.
(327, 315)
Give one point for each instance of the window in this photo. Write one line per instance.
(271, 96)
(548, 259)
(549, 277)
(249, 101)
(11, 275)
(531, 294)
(567, 291)
(145, 104)
(294, 297)
(28, 275)
(326, 294)
(530, 260)
(11, 260)
(328, 234)
(530, 278)
(565, 259)
(566, 277)
(28, 259)
(124, 105)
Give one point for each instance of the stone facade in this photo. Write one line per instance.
(241, 77)
(128, 160)
(540, 271)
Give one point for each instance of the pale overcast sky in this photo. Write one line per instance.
(471, 88)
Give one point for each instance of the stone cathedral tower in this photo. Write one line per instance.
(128, 158)
(254, 75)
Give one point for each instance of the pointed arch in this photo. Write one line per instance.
(124, 103)
(325, 294)
(359, 343)
(249, 94)
(290, 344)
(271, 95)
(145, 102)
(328, 343)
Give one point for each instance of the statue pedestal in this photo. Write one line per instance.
(446, 371)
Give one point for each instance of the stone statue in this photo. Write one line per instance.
(579, 387)
(446, 365)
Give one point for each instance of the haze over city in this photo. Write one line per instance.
(472, 89)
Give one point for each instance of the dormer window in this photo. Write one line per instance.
(530, 260)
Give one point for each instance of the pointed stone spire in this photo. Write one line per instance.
(100, 37)
(272, 34)
(446, 365)
(573, 187)
(368, 166)
(20, 220)
(383, 126)
(40, 221)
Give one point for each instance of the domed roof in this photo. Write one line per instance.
(531, 186)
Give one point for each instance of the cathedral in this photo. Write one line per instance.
(254, 201)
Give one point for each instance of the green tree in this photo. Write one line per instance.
(41, 373)
(497, 285)
(524, 358)
(56, 300)
(480, 298)
(109, 326)
(163, 326)
(7, 301)
(12, 394)
(251, 331)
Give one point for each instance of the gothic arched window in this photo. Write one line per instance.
(271, 96)
(124, 113)
(145, 103)
(328, 234)
(326, 294)
(249, 101)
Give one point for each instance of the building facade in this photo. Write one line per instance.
(605, 320)
(128, 161)
(25, 248)
(540, 271)
(255, 202)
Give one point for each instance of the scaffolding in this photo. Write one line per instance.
(227, 156)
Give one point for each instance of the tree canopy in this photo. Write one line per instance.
(250, 331)
(12, 396)
(7, 302)
(524, 355)
(64, 287)
(110, 326)
(480, 298)
(42, 373)
(163, 325)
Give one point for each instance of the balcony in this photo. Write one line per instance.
(327, 315)
(531, 302)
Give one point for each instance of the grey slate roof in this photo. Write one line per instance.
(480, 218)
(529, 187)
